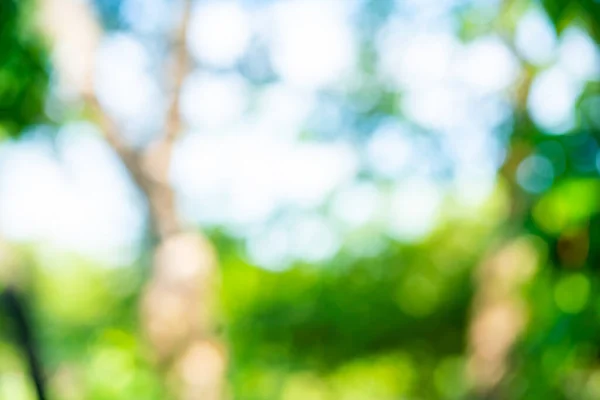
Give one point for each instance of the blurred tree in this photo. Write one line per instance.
(177, 309)
(501, 307)
(563, 216)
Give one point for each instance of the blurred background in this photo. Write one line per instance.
(403, 197)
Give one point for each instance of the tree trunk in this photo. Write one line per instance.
(499, 312)
(178, 301)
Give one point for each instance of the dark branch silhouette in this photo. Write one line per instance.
(15, 310)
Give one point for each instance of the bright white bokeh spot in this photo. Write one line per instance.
(219, 32)
(213, 100)
(33, 192)
(81, 202)
(579, 55)
(305, 237)
(473, 186)
(492, 111)
(123, 83)
(475, 159)
(551, 101)
(225, 179)
(415, 61)
(115, 212)
(249, 203)
(314, 171)
(281, 111)
(312, 42)
(271, 248)
(469, 145)
(535, 37)
(313, 239)
(487, 65)
(443, 107)
(357, 205)
(415, 210)
(251, 177)
(389, 151)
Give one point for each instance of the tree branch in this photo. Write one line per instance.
(149, 167)
(15, 309)
(111, 132)
(180, 69)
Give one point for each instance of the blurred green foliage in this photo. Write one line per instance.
(392, 325)
(562, 12)
(23, 68)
